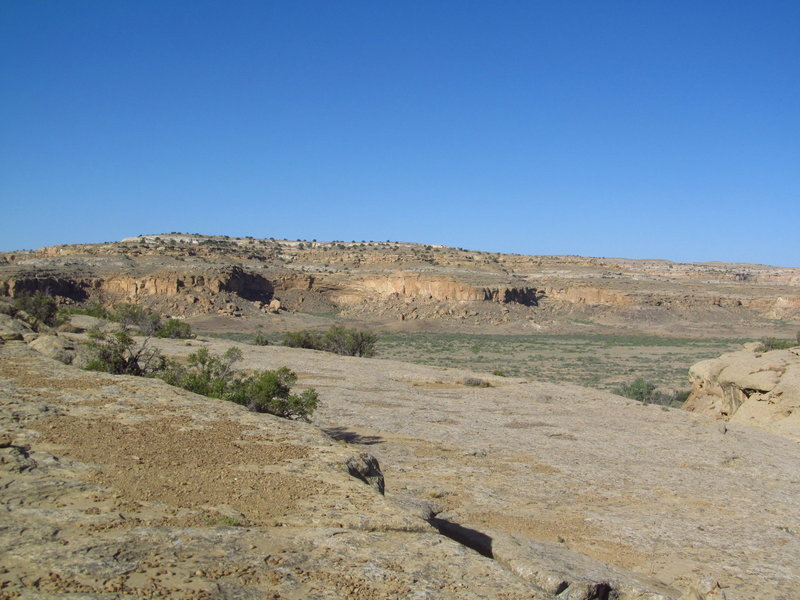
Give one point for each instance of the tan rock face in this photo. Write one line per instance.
(758, 389)
(196, 275)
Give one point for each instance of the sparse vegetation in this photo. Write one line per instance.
(601, 361)
(475, 382)
(119, 354)
(261, 340)
(175, 328)
(206, 374)
(148, 322)
(40, 307)
(91, 309)
(771, 343)
(647, 393)
(338, 339)
(263, 391)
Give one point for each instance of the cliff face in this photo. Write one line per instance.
(131, 288)
(195, 275)
(418, 286)
(758, 389)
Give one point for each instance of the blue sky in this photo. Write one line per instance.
(642, 129)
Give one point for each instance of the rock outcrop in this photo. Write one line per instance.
(755, 388)
(197, 275)
(119, 487)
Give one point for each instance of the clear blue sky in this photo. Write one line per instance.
(643, 129)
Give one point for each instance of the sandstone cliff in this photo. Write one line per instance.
(761, 389)
(197, 275)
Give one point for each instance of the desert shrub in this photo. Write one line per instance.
(304, 339)
(350, 342)
(263, 391)
(206, 374)
(119, 354)
(260, 340)
(270, 391)
(639, 389)
(338, 339)
(646, 392)
(770, 343)
(41, 307)
(91, 309)
(133, 315)
(175, 328)
(499, 373)
(475, 382)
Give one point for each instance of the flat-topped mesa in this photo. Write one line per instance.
(195, 275)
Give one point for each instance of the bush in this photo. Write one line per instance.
(646, 392)
(39, 306)
(350, 342)
(260, 340)
(263, 391)
(338, 339)
(93, 309)
(769, 343)
(117, 353)
(304, 339)
(133, 315)
(175, 328)
(639, 389)
(475, 382)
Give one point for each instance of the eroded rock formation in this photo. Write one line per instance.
(761, 389)
(196, 275)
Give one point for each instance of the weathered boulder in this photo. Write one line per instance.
(82, 323)
(12, 329)
(58, 348)
(761, 389)
(366, 468)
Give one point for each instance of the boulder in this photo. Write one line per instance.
(58, 348)
(12, 329)
(749, 387)
(366, 468)
(83, 323)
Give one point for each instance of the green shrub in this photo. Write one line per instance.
(770, 343)
(639, 389)
(646, 392)
(263, 391)
(175, 328)
(206, 374)
(304, 339)
(269, 391)
(118, 353)
(350, 342)
(261, 340)
(475, 382)
(499, 373)
(133, 315)
(91, 309)
(41, 307)
(338, 339)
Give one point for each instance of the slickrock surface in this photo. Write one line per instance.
(756, 388)
(662, 494)
(119, 487)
